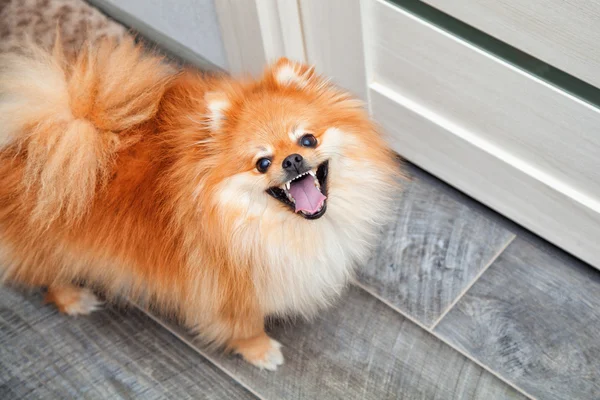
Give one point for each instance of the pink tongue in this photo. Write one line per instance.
(308, 197)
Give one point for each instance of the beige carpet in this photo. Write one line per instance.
(39, 19)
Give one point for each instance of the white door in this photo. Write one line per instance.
(518, 144)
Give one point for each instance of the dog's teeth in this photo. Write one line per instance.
(312, 173)
(287, 185)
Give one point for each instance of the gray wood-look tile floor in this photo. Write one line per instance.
(534, 317)
(112, 354)
(432, 249)
(363, 349)
(455, 303)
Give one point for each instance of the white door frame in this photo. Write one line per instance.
(257, 32)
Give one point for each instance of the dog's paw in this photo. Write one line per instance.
(262, 352)
(87, 303)
(271, 358)
(73, 300)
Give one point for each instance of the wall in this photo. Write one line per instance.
(192, 23)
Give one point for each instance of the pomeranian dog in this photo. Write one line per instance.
(221, 201)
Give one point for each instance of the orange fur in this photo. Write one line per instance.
(118, 171)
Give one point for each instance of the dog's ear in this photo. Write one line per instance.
(287, 73)
(217, 104)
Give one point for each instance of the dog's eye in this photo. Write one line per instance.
(263, 164)
(308, 140)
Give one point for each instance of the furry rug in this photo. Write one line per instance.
(38, 20)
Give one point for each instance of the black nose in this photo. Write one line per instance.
(292, 163)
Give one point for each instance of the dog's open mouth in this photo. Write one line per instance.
(306, 194)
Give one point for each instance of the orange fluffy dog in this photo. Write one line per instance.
(217, 200)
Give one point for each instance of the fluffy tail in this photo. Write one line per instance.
(67, 119)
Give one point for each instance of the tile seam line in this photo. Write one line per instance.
(473, 282)
(196, 349)
(443, 340)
